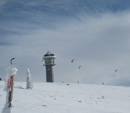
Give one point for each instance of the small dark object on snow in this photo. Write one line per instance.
(103, 83)
(44, 105)
(80, 101)
(103, 97)
(67, 84)
(0, 79)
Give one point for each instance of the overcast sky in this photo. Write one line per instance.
(96, 33)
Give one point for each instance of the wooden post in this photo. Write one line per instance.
(10, 85)
(11, 72)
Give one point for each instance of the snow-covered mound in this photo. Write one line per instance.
(67, 98)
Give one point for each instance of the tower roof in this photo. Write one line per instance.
(49, 54)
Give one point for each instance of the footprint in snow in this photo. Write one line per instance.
(79, 101)
(44, 105)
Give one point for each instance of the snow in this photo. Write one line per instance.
(29, 84)
(67, 98)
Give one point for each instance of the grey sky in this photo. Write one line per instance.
(97, 39)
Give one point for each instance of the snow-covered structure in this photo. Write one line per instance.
(11, 70)
(10, 73)
(49, 59)
(29, 84)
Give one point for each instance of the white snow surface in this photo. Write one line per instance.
(67, 98)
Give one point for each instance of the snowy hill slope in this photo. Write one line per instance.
(67, 98)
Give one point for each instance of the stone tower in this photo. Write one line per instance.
(49, 59)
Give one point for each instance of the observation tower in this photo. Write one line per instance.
(49, 59)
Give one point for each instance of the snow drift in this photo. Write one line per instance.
(67, 98)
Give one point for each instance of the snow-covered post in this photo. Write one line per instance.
(10, 73)
(29, 84)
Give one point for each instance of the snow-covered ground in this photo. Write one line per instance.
(67, 98)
